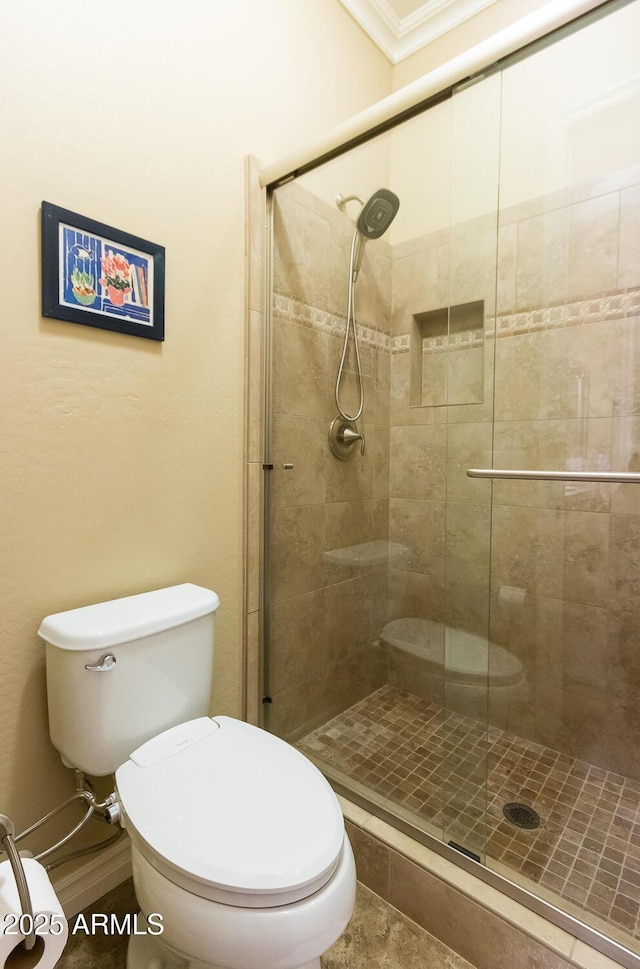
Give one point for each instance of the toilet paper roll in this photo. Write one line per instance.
(49, 920)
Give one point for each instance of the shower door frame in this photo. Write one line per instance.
(261, 184)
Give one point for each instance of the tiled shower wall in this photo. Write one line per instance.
(439, 518)
(563, 576)
(565, 570)
(325, 608)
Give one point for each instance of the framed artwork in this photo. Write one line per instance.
(99, 276)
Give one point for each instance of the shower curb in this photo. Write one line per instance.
(473, 918)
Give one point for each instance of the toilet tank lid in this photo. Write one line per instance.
(132, 617)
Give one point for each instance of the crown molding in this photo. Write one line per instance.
(399, 37)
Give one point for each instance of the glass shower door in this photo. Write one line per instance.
(565, 568)
(470, 348)
(327, 518)
(379, 566)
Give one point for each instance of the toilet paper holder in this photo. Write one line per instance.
(7, 834)
(9, 838)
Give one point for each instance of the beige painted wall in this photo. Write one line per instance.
(121, 459)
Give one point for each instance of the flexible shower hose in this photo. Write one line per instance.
(351, 324)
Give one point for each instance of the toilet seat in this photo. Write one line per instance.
(231, 813)
(465, 657)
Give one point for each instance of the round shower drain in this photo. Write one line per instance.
(521, 815)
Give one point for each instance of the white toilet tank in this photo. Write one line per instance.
(159, 673)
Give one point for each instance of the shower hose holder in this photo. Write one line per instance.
(343, 435)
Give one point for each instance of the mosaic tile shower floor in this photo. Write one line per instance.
(445, 768)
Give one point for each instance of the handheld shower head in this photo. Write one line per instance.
(375, 218)
(378, 214)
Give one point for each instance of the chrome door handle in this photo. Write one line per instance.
(106, 662)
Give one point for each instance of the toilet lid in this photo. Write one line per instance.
(467, 657)
(231, 806)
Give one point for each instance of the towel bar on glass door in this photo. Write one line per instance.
(615, 477)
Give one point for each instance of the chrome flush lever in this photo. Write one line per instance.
(106, 662)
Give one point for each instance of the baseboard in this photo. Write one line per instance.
(93, 877)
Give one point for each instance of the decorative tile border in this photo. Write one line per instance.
(456, 341)
(606, 307)
(615, 305)
(317, 318)
(611, 306)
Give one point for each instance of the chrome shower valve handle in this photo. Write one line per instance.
(349, 437)
(342, 437)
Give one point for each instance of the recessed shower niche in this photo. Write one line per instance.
(447, 356)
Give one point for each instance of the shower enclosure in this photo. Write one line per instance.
(462, 651)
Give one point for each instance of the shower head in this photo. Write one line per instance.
(378, 214)
(375, 218)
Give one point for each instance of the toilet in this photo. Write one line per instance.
(472, 669)
(237, 840)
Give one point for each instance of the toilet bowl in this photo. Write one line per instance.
(469, 669)
(238, 841)
(236, 836)
(289, 936)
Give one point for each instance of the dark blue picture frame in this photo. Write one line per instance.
(100, 276)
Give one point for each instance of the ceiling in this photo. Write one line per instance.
(401, 27)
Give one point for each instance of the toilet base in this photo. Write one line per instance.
(149, 952)
(290, 936)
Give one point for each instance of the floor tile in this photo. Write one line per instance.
(454, 776)
(378, 937)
